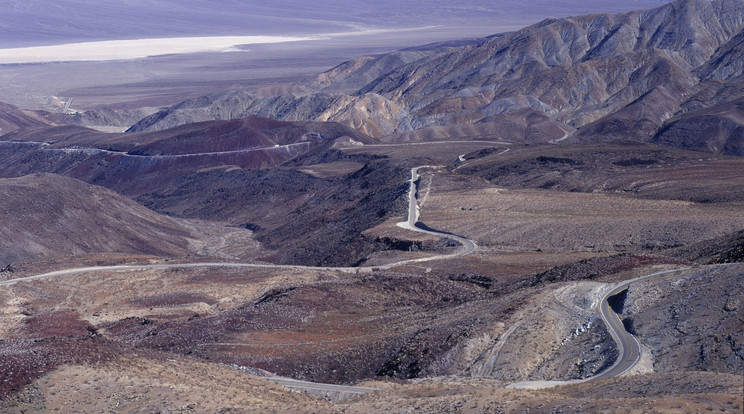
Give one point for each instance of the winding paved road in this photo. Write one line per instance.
(413, 223)
(124, 268)
(91, 150)
(468, 246)
(465, 163)
(629, 348)
(330, 391)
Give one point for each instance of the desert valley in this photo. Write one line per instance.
(396, 208)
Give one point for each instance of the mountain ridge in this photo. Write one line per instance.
(600, 76)
(49, 216)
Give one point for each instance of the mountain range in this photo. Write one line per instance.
(657, 75)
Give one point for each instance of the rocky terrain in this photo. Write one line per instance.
(257, 234)
(513, 219)
(219, 171)
(677, 333)
(13, 118)
(157, 159)
(624, 168)
(49, 216)
(305, 219)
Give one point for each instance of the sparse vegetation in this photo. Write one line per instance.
(561, 151)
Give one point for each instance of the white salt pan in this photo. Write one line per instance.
(133, 49)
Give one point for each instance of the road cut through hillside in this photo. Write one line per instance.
(629, 347)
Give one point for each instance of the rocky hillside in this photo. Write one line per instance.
(252, 132)
(156, 158)
(718, 128)
(370, 113)
(596, 76)
(677, 328)
(305, 200)
(47, 216)
(13, 118)
(627, 168)
(305, 219)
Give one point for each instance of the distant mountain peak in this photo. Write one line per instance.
(601, 75)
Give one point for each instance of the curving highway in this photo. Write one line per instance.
(465, 163)
(468, 246)
(413, 223)
(330, 391)
(629, 348)
(124, 268)
(92, 150)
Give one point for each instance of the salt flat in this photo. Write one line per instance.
(133, 49)
(142, 48)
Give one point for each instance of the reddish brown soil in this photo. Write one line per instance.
(55, 323)
(23, 360)
(170, 299)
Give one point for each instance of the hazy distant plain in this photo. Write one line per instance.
(163, 71)
(45, 22)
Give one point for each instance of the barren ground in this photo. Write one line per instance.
(513, 219)
(556, 226)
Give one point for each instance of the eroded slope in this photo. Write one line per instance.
(48, 216)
